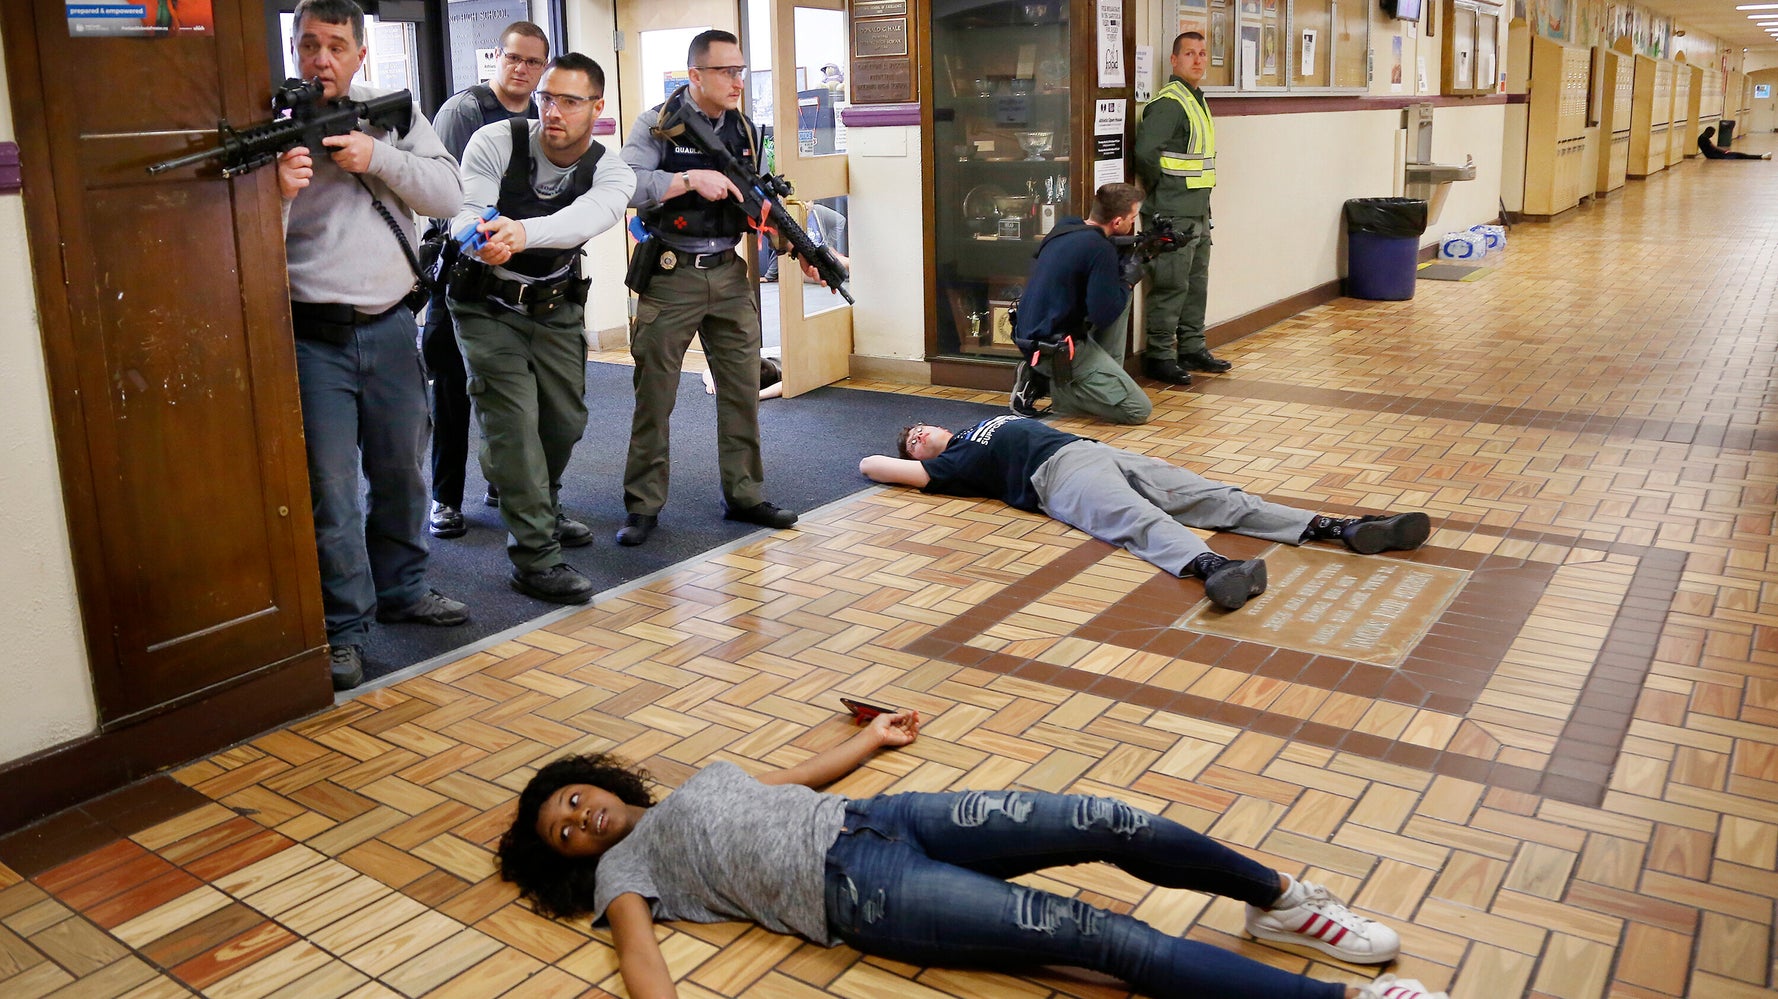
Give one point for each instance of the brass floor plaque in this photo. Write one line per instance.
(1364, 608)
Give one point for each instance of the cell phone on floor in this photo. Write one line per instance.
(864, 711)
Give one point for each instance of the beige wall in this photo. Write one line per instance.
(45, 685)
(1282, 181)
(1764, 116)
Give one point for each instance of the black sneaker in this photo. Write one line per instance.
(447, 522)
(1230, 586)
(1400, 533)
(1165, 371)
(346, 663)
(493, 496)
(432, 608)
(637, 527)
(559, 584)
(1028, 386)
(572, 533)
(1203, 360)
(762, 513)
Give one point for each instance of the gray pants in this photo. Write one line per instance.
(718, 305)
(1097, 384)
(1147, 506)
(528, 379)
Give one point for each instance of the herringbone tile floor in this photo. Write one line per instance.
(1551, 759)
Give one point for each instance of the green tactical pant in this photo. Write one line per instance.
(527, 378)
(1177, 285)
(719, 306)
(1096, 384)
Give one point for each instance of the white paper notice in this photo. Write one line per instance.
(1108, 117)
(1422, 65)
(1249, 62)
(1144, 73)
(1308, 52)
(1107, 172)
(1111, 43)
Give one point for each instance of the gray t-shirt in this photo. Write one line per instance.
(726, 847)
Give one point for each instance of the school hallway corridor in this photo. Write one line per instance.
(1544, 747)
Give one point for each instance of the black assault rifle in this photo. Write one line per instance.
(302, 118)
(761, 196)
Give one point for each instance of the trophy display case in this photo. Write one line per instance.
(1010, 156)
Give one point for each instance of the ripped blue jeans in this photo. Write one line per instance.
(920, 878)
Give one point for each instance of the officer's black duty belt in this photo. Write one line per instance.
(330, 322)
(671, 260)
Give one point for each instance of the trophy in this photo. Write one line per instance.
(1035, 144)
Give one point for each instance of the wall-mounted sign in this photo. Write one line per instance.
(882, 81)
(879, 8)
(1762, 91)
(880, 37)
(137, 20)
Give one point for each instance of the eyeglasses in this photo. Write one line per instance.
(567, 102)
(732, 72)
(514, 59)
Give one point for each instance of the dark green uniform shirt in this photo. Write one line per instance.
(1165, 126)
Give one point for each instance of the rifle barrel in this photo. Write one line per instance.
(188, 159)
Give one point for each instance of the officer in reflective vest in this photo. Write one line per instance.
(1176, 162)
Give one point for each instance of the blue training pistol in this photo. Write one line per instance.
(469, 238)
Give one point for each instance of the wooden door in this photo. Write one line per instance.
(815, 325)
(166, 327)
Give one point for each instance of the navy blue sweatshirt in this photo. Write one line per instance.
(1074, 282)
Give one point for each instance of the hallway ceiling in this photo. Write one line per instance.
(1719, 18)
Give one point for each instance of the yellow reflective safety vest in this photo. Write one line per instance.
(1196, 164)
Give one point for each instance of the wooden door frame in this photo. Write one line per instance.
(133, 740)
(817, 349)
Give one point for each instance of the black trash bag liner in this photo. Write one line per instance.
(1386, 216)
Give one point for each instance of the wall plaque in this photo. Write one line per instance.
(879, 8)
(880, 37)
(882, 81)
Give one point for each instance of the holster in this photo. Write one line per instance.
(327, 323)
(643, 262)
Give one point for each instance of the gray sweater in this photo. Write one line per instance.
(338, 248)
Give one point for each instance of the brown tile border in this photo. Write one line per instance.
(1633, 427)
(1445, 672)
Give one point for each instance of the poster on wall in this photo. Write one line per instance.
(1249, 55)
(1219, 42)
(1111, 43)
(1108, 142)
(1144, 73)
(1308, 49)
(1395, 64)
(1269, 50)
(140, 20)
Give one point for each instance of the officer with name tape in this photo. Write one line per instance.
(518, 304)
(689, 281)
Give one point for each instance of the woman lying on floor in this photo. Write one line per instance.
(918, 878)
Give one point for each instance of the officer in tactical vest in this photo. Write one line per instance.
(518, 64)
(1175, 158)
(695, 285)
(518, 304)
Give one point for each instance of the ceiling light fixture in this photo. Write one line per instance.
(1758, 6)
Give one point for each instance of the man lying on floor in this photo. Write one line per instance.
(1144, 505)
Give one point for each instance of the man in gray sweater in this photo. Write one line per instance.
(363, 390)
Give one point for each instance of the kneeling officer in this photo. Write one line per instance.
(518, 305)
(1072, 317)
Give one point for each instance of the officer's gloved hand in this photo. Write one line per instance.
(1129, 269)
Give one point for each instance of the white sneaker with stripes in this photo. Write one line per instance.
(1319, 920)
(1391, 987)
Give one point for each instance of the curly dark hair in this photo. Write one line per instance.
(562, 887)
